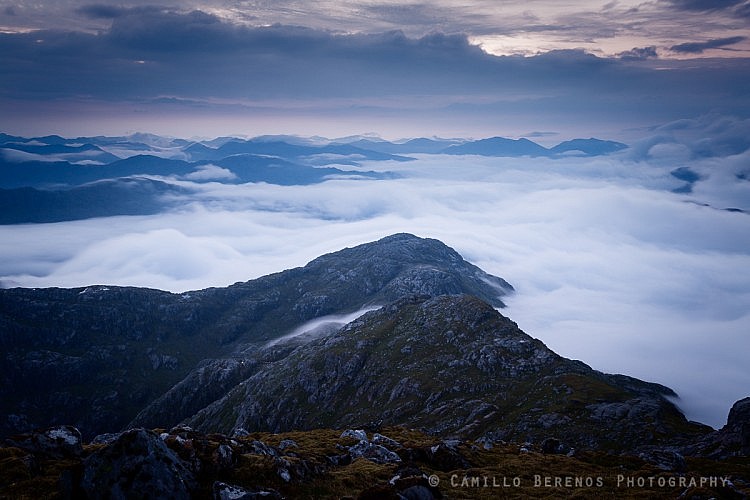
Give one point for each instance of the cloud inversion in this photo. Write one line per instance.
(610, 266)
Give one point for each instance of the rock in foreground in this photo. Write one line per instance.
(184, 463)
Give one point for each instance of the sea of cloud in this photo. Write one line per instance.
(610, 266)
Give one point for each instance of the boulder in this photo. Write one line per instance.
(441, 457)
(138, 463)
(385, 441)
(260, 448)
(359, 435)
(553, 446)
(374, 453)
(62, 441)
(224, 491)
(664, 458)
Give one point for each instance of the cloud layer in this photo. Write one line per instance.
(534, 25)
(167, 68)
(610, 266)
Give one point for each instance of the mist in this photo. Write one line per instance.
(610, 265)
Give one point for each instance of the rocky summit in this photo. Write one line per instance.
(96, 357)
(380, 371)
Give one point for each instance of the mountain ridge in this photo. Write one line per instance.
(447, 365)
(136, 343)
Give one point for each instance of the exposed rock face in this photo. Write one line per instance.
(96, 357)
(738, 425)
(136, 462)
(449, 365)
(732, 440)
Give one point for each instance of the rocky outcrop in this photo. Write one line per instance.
(737, 429)
(451, 365)
(62, 441)
(732, 440)
(137, 461)
(325, 463)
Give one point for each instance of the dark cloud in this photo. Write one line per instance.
(639, 53)
(705, 5)
(699, 47)
(9, 11)
(161, 57)
(100, 11)
(735, 8)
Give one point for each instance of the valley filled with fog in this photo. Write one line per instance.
(634, 262)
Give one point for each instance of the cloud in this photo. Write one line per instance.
(709, 135)
(705, 5)
(142, 68)
(639, 53)
(211, 172)
(610, 266)
(101, 11)
(700, 47)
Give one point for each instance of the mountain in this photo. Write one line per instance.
(418, 145)
(398, 343)
(53, 179)
(448, 365)
(78, 153)
(48, 174)
(126, 196)
(498, 146)
(6, 138)
(286, 150)
(402, 330)
(588, 147)
(255, 168)
(95, 357)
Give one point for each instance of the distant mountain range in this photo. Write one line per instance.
(52, 179)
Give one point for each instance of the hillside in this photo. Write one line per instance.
(95, 357)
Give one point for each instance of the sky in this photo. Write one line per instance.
(610, 266)
(460, 68)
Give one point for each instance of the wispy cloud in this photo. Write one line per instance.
(700, 47)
